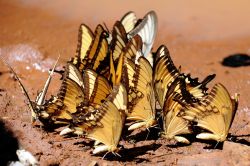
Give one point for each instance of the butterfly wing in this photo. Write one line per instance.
(133, 48)
(165, 73)
(141, 106)
(175, 125)
(96, 88)
(85, 39)
(113, 110)
(92, 49)
(129, 21)
(215, 113)
(116, 71)
(119, 40)
(110, 131)
(70, 95)
(147, 29)
(104, 122)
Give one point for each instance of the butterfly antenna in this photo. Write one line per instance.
(106, 27)
(117, 154)
(147, 133)
(41, 97)
(22, 88)
(105, 155)
(216, 144)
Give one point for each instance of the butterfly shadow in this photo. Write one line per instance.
(142, 135)
(85, 144)
(238, 139)
(133, 153)
(8, 145)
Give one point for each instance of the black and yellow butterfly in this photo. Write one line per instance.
(168, 81)
(40, 99)
(103, 122)
(215, 113)
(165, 73)
(175, 126)
(74, 91)
(119, 40)
(141, 97)
(92, 50)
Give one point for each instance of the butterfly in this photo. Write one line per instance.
(146, 28)
(40, 99)
(92, 50)
(175, 126)
(165, 73)
(120, 44)
(118, 41)
(141, 97)
(103, 122)
(101, 93)
(215, 113)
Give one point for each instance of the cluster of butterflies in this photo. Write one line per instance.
(115, 79)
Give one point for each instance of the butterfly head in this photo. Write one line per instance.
(167, 136)
(38, 112)
(151, 123)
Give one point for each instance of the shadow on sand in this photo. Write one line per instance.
(8, 145)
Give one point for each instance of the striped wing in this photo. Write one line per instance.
(104, 122)
(129, 21)
(141, 103)
(174, 125)
(147, 29)
(70, 95)
(119, 40)
(116, 71)
(215, 113)
(92, 50)
(85, 39)
(109, 132)
(96, 87)
(165, 73)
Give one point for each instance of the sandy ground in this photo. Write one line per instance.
(198, 35)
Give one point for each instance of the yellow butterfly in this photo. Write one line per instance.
(141, 103)
(165, 73)
(120, 44)
(92, 50)
(103, 122)
(215, 113)
(116, 94)
(174, 126)
(40, 99)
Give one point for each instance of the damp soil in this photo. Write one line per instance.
(33, 34)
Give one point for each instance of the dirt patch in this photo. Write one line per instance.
(30, 39)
